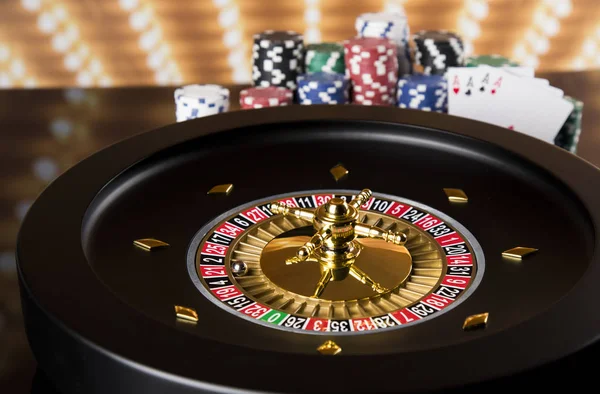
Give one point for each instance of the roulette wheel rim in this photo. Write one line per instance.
(63, 311)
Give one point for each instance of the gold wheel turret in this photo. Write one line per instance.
(334, 245)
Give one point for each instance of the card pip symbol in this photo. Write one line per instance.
(484, 82)
(469, 86)
(456, 85)
(497, 85)
(511, 127)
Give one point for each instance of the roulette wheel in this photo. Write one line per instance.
(312, 249)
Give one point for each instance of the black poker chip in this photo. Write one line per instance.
(437, 50)
(277, 58)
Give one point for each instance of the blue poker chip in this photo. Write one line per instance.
(322, 88)
(423, 92)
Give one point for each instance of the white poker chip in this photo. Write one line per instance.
(195, 101)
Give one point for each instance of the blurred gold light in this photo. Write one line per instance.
(211, 40)
(312, 18)
(13, 72)
(589, 55)
(229, 20)
(152, 42)
(545, 25)
(469, 22)
(54, 19)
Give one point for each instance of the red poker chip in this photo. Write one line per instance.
(372, 66)
(368, 44)
(261, 97)
(377, 100)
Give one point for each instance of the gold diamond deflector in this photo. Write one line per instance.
(475, 322)
(518, 253)
(339, 172)
(456, 195)
(329, 348)
(222, 189)
(150, 244)
(187, 314)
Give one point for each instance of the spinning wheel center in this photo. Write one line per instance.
(334, 244)
(388, 264)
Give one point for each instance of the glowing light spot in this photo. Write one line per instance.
(17, 68)
(61, 128)
(84, 78)
(162, 77)
(105, 81)
(4, 53)
(73, 61)
(30, 82)
(478, 9)
(531, 61)
(470, 28)
(241, 76)
(312, 34)
(31, 5)
(229, 17)
(60, 13)
(232, 38)
(312, 15)
(5, 80)
(45, 169)
(150, 38)
(95, 67)
(541, 45)
(21, 209)
(47, 22)
(157, 57)
(75, 95)
(128, 5)
(236, 57)
(61, 43)
(590, 47)
(139, 20)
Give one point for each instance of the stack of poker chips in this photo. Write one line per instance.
(372, 66)
(424, 92)
(268, 96)
(568, 136)
(325, 57)
(196, 101)
(391, 25)
(322, 88)
(437, 50)
(277, 58)
(490, 60)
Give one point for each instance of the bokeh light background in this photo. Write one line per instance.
(47, 43)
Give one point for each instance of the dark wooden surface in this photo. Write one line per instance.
(32, 127)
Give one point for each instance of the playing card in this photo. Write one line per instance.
(520, 71)
(461, 85)
(501, 98)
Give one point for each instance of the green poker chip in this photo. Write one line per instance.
(325, 57)
(490, 60)
(568, 136)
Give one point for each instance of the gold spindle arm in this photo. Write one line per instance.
(360, 275)
(285, 210)
(362, 198)
(364, 230)
(308, 248)
(325, 279)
